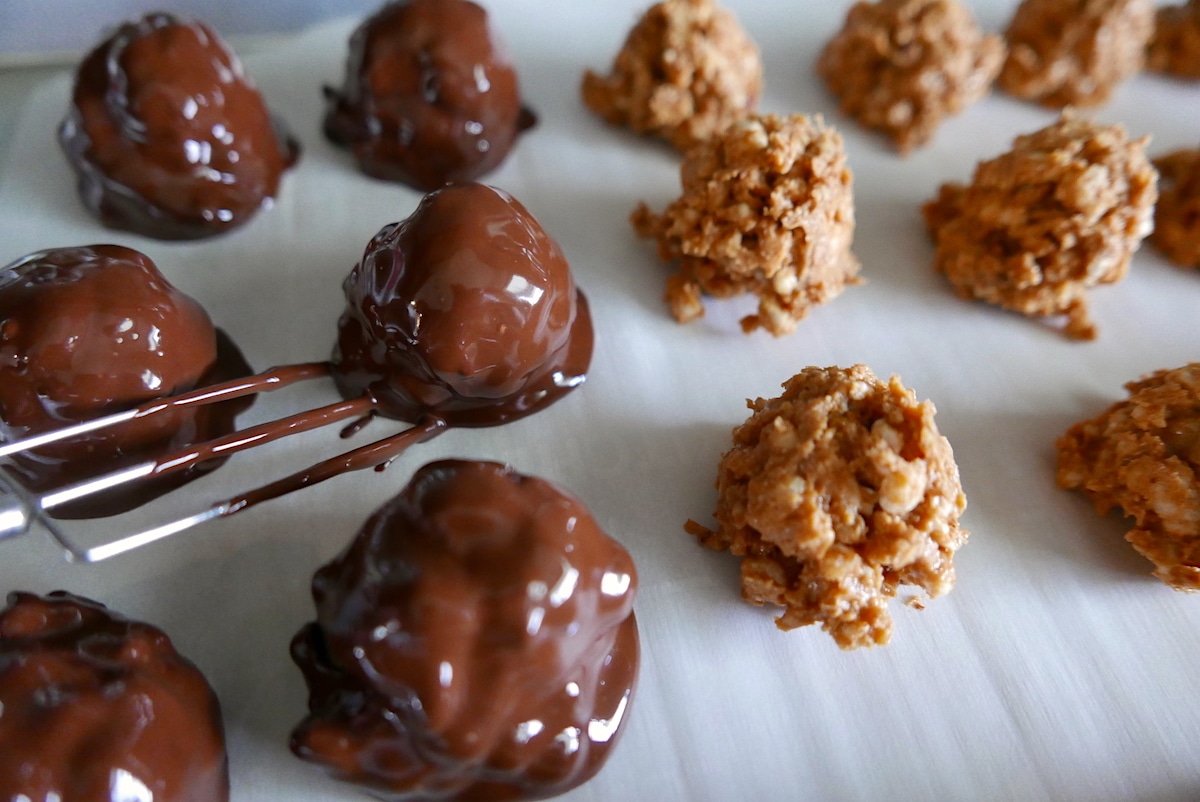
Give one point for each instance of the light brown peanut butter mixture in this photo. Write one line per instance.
(1075, 52)
(1060, 213)
(900, 66)
(1177, 213)
(686, 71)
(767, 208)
(1143, 455)
(1175, 47)
(835, 494)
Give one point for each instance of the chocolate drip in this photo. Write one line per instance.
(429, 97)
(96, 707)
(168, 136)
(475, 641)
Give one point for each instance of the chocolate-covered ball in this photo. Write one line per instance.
(466, 311)
(91, 330)
(97, 708)
(429, 97)
(168, 136)
(476, 640)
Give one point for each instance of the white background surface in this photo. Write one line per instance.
(1057, 668)
(31, 30)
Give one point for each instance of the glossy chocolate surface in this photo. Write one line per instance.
(475, 641)
(97, 708)
(168, 136)
(429, 97)
(465, 314)
(466, 311)
(89, 330)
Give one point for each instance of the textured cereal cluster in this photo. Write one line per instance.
(900, 66)
(1075, 52)
(1175, 48)
(767, 208)
(835, 494)
(686, 71)
(1060, 213)
(1143, 455)
(1177, 213)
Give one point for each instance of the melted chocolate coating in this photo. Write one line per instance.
(167, 135)
(475, 641)
(99, 708)
(90, 330)
(430, 96)
(466, 311)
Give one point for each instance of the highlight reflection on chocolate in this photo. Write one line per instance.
(89, 330)
(476, 640)
(96, 707)
(168, 136)
(430, 96)
(465, 314)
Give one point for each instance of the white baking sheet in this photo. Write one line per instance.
(1057, 668)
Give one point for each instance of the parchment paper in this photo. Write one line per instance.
(1057, 669)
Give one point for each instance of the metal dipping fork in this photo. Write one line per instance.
(20, 509)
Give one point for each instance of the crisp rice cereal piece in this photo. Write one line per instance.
(767, 208)
(1075, 52)
(1175, 47)
(900, 66)
(1143, 455)
(1177, 213)
(686, 71)
(1060, 213)
(836, 494)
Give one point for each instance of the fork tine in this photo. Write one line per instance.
(200, 452)
(20, 509)
(268, 381)
(17, 510)
(105, 551)
(372, 455)
(39, 440)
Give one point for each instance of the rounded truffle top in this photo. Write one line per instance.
(89, 330)
(486, 615)
(86, 329)
(687, 70)
(835, 494)
(94, 706)
(466, 310)
(167, 134)
(430, 96)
